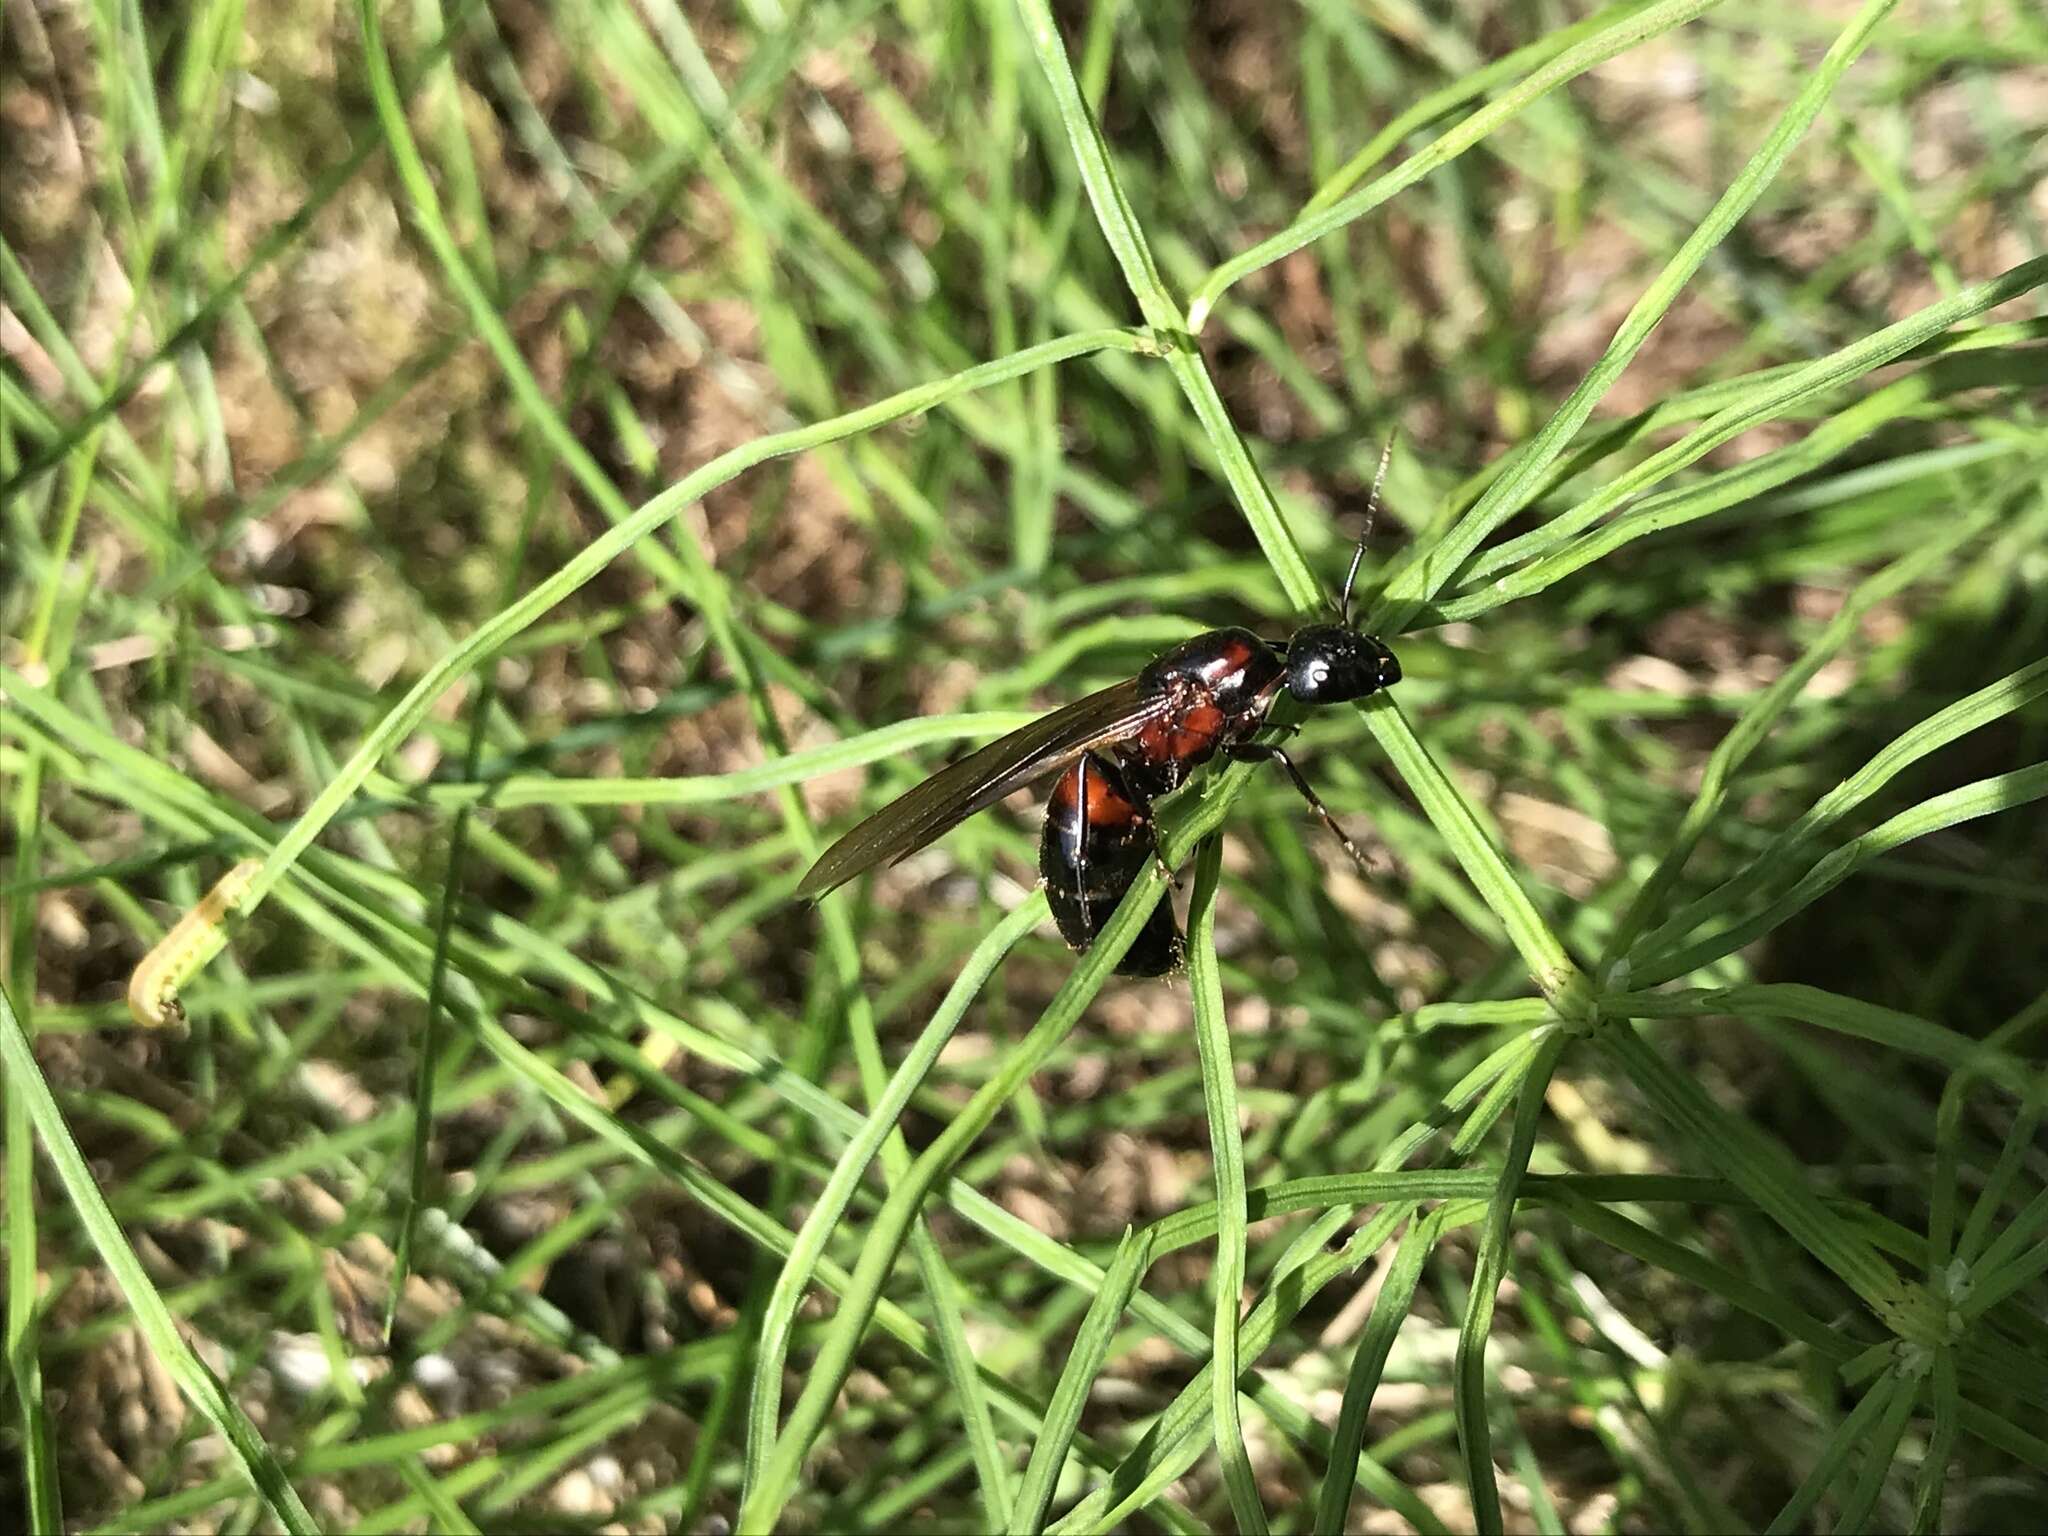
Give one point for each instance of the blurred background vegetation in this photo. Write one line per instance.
(294, 400)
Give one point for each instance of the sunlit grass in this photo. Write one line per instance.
(524, 479)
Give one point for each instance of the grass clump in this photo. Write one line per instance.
(503, 482)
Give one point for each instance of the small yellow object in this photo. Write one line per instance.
(153, 989)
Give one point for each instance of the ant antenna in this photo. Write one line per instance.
(1372, 510)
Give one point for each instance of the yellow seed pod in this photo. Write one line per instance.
(153, 989)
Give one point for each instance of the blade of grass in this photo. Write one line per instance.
(42, 1495)
(42, 1492)
(1112, 210)
(1458, 824)
(1175, 1442)
(779, 1320)
(1178, 1437)
(1489, 1267)
(1879, 1452)
(1872, 1409)
(646, 1150)
(1477, 83)
(1653, 1248)
(1888, 1027)
(993, 1475)
(689, 570)
(1674, 508)
(1624, 34)
(1777, 394)
(1762, 1169)
(1510, 493)
(1134, 255)
(1219, 1099)
(1986, 797)
(152, 1316)
(197, 325)
(1993, 702)
(1941, 1446)
(2014, 1260)
(488, 636)
(1755, 722)
(442, 1510)
(706, 789)
(2010, 1036)
(1084, 1364)
(891, 1226)
(1368, 1361)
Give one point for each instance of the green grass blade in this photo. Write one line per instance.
(152, 1316)
(956, 1355)
(1469, 1379)
(1755, 723)
(708, 789)
(1368, 1361)
(1941, 1446)
(1523, 60)
(891, 1226)
(1986, 797)
(1782, 857)
(1134, 255)
(1084, 1363)
(1763, 1170)
(779, 1320)
(1112, 209)
(43, 1497)
(1622, 35)
(1770, 400)
(435, 1497)
(1458, 823)
(1889, 1027)
(1254, 497)
(1219, 1100)
(1875, 1407)
(492, 634)
(1177, 1439)
(1508, 494)
(2016, 1259)
(1879, 1453)
(1632, 1237)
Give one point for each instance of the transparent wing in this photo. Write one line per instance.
(978, 781)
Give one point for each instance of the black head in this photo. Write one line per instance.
(1334, 663)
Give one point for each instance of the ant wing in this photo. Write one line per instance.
(978, 781)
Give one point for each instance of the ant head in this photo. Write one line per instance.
(1334, 663)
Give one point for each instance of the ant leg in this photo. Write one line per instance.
(1261, 752)
(1081, 843)
(1159, 868)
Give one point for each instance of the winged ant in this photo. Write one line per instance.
(1119, 750)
